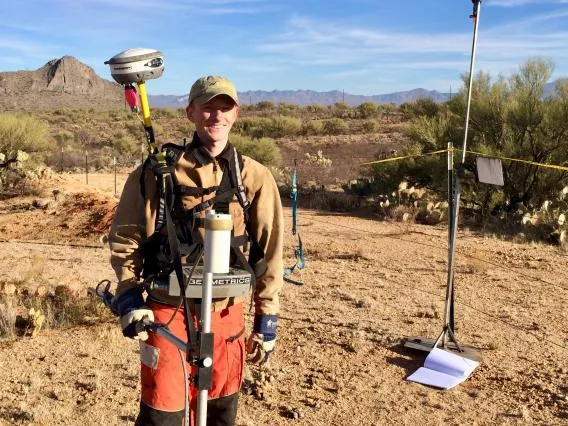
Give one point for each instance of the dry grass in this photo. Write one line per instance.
(23, 314)
(7, 316)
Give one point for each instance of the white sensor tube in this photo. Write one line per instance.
(218, 229)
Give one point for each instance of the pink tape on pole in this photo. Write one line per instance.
(131, 97)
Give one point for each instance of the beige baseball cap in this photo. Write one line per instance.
(206, 88)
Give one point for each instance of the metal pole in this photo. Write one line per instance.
(457, 193)
(114, 164)
(216, 259)
(86, 167)
(205, 328)
(451, 220)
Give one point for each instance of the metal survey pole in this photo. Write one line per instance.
(216, 259)
(207, 361)
(448, 314)
(451, 219)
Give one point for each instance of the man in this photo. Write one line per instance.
(203, 175)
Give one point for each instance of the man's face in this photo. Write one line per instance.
(213, 120)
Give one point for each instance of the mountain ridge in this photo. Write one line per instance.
(68, 83)
(65, 82)
(306, 97)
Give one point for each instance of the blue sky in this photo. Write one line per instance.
(364, 47)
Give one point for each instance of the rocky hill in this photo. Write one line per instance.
(60, 83)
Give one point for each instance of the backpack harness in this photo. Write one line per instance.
(175, 233)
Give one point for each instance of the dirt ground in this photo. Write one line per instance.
(340, 358)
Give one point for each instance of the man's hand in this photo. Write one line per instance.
(131, 308)
(261, 342)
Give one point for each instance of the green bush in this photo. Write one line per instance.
(335, 126)
(283, 126)
(420, 107)
(289, 110)
(126, 145)
(512, 118)
(370, 126)
(24, 144)
(265, 105)
(312, 128)
(263, 150)
(367, 109)
(273, 127)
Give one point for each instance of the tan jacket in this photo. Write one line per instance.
(135, 219)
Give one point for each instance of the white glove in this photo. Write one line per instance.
(128, 323)
(258, 349)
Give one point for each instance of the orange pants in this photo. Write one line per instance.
(162, 369)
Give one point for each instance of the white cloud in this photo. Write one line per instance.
(312, 43)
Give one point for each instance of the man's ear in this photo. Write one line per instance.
(189, 112)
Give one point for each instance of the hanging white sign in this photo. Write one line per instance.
(490, 170)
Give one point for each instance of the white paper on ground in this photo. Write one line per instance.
(443, 369)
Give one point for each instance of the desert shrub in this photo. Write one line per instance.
(21, 133)
(126, 144)
(370, 126)
(367, 109)
(250, 126)
(134, 128)
(263, 150)
(24, 144)
(340, 110)
(312, 128)
(273, 127)
(335, 126)
(512, 118)
(8, 314)
(265, 106)
(186, 128)
(316, 110)
(281, 126)
(166, 113)
(290, 110)
(64, 308)
(318, 159)
(420, 107)
(60, 307)
(429, 132)
(330, 200)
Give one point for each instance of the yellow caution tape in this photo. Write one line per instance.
(533, 163)
(441, 151)
(386, 160)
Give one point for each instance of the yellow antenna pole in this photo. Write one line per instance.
(146, 116)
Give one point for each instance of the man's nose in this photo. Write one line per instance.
(216, 113)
